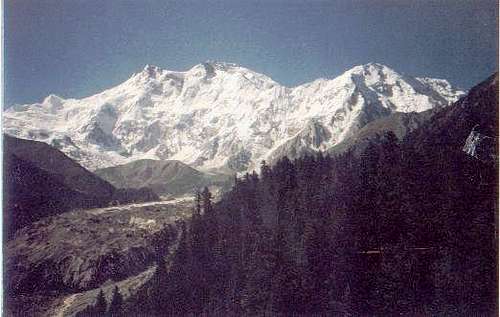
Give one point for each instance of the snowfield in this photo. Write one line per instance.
(220, 115)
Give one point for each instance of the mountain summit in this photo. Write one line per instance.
(221, 115)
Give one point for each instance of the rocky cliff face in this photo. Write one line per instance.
(221, 116)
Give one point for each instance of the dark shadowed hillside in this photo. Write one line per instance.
(451, 126)
(31, 193)
(49, 159)
(40, 181)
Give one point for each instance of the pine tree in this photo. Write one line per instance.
(206, 197)
(116, 305)
(197, 208)
(265, 170)
(174, 292)
(101, 306)
(87, 312)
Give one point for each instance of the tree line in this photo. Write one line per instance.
(406, 228)
(397, 230)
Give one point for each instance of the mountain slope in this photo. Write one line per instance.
(31, 193)
(219, 115)
(448, 127)
(40, 181)
(400, 123)
(163, 177)
(451, 126)
(408, 228)
(62, 167)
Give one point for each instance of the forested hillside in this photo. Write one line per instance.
(407, 228)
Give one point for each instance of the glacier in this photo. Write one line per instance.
(221, 116)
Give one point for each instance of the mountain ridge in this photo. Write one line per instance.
(220, 115)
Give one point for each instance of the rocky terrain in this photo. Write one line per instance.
(78, 251)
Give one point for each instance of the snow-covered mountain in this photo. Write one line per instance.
(220, 115)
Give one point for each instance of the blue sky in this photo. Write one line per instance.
(75, 48)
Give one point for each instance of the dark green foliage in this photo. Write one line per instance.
(87, 312)
(207, 200)
(133, 195)
(116, 305)
(101, 306)
(407, 228)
